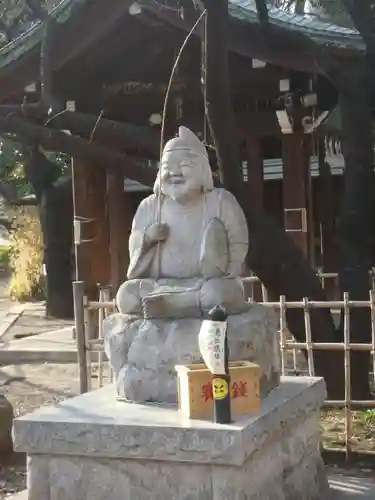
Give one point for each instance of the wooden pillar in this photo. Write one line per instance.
(254, 188)
(120, 220)
(89, 196)
(296, 187)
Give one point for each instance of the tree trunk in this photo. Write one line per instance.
(355, 221)
(272, 254)
(55, 202)
(56, 211)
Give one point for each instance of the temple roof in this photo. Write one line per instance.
(244, 11)
(323, 32)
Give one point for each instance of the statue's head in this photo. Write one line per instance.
(184, 171)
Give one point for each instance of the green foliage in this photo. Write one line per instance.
(26, 255)
(26, 250)
(12, 167)
(62, 160)
(4, 257)
(368, 418)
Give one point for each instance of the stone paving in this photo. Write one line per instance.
(56, 346)
(351, 488)
(343, 488)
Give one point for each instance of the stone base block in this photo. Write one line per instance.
(143, 353)
(94, 448)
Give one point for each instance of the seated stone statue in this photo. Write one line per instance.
(191, 260)
(187, 247)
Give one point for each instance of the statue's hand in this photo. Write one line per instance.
(157, 232)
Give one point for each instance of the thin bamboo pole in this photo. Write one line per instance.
(252, 284)
(79, 321)
(95, 344)
(328, 346)
(310, 356)
(348, 414)
(106, 304)
(295, 363)
(107, 294)
(320, 275)
(372, 305)
(342, 450)
(354, 404)
(334, 304)
(101, 312)
(282, 332)
(88, 336)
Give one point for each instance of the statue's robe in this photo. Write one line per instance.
(190, 247)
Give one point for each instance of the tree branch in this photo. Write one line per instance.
(364, 20)
(39, 11)
(262, 11)
(131, 136)
(95, 154)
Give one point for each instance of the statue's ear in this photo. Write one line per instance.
(207, 178)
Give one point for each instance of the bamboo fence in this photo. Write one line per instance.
(90, 346)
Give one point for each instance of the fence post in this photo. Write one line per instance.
(79, 320)
(348, 415)
(104, 296)
(283, 327)
(310, 356)
(372, 305)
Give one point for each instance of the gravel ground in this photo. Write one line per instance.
(28, 387)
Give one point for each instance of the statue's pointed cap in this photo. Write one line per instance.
(186, 140)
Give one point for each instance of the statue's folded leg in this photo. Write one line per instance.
(130, 294)
(227, 292)
(172, 304)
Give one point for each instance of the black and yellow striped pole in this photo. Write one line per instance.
(221, 382)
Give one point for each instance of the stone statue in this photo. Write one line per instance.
(187, 248)
(191, 260)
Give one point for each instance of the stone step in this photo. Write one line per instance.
(56, 346)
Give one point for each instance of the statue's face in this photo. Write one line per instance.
(180, 175)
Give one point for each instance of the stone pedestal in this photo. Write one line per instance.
(143, 353)
(94, 448)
